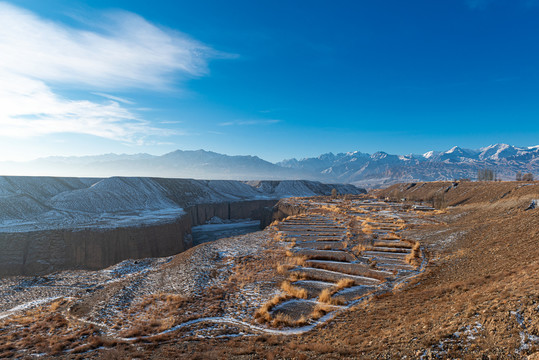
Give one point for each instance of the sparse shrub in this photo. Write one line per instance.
(55, 305)
(413, 257)
(298, 275)
(286, 320)
(263, 313)
(326, 297)
(345, 283)
(299, 260)
(294, 290)
(283, 269)
(319, 311)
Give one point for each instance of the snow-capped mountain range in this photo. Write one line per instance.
(455, 163)
(358, 168)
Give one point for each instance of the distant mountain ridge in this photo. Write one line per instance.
(199, 164)
(355, 167)
(382, 168)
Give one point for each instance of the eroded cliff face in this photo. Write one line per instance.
(44, 251)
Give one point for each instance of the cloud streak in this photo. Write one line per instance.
(122, 51)
(114, 98)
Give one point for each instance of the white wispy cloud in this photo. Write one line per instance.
(250, 122)
(29, 108)
(114, 98)
(120, 51)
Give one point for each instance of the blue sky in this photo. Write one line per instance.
(277, 79)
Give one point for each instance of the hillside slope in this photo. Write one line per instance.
(37, 203)
(477, 296)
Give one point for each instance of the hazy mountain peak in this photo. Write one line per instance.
(379, 155)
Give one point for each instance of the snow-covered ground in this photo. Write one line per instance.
(44, 203)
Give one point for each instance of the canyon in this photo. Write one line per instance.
(49, 224)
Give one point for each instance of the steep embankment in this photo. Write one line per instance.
(49, 224)
(453, 193)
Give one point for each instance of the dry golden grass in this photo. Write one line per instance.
(401, 244)
(56, 305)
(293, 291)
(265, 266)
(367, 228)
(283, 269)
(415, 256)
(472, 282)
(345, 283)
(319, 311)
(298, 260)
(263, 314)
(44, 330)
(286, 320)
(390, 236)
(326, 297)
(298, 275)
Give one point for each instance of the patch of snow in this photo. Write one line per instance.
(26, 306)
(533, 205)
(428, 154)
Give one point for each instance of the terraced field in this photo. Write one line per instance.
(338, 253)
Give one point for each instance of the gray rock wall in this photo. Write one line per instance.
(45, 251)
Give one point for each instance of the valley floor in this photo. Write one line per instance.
(338, 278)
